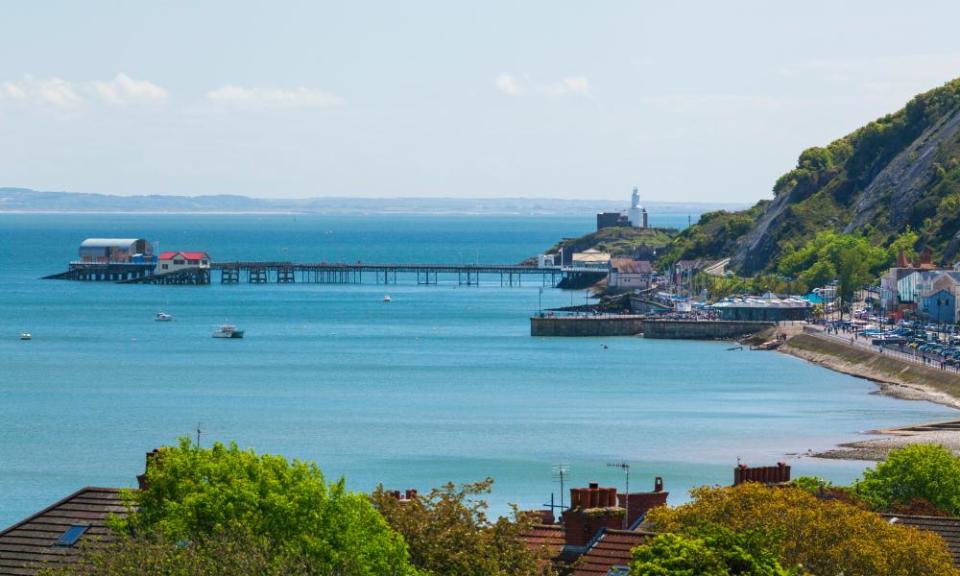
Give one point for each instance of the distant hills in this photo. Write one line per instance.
(26, 200)
(899, 171)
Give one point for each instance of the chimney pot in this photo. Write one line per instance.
(594, 485)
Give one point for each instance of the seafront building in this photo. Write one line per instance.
(118, 250)
(169, 262)
(630, 274)
(767, 308)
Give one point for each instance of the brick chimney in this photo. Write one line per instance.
(778, 474)
(641, 502)
(591, 509)
(151, 460)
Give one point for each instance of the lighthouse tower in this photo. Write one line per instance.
(637, 214)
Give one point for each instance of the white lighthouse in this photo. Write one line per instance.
(637, 214)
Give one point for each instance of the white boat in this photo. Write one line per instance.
(26, 336)
(228, 331)
(163, 317)
(386, 298)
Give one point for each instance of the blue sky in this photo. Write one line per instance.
(694, 101)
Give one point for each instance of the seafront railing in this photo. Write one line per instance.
(852, 339)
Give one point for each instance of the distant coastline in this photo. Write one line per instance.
(27, 201)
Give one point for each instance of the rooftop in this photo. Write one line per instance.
(609, 553)
(51, 537)
(947, 528)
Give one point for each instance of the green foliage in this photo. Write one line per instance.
(811, 484)
(905, 243)
(828, 537)
(851, 260)
(715, 235)
(926, 471)
(194, 494)
(723, 286)
(707, 551)
(822, 192)
(449, 534)
(219, 555)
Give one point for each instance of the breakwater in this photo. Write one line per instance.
(626, 325)
(586, 325)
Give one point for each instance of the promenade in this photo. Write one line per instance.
(852, 339)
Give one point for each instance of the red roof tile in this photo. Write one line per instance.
(612, 549)
(546, 538)
(186, 255)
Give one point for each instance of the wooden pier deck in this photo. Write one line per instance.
(279, 272)
(372, 273)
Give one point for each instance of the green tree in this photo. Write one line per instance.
(705, 551)
(219, 555)
(449, 533)
(825, 537)
(193, 494)
(926, 471)
(905, 243)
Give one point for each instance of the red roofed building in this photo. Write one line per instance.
(176, 261)
(610, 553)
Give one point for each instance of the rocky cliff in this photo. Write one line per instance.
(900, 171)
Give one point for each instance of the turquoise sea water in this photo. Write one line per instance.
(442, 384)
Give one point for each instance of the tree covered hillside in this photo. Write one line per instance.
(899, 172)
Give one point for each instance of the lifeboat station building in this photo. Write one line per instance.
(169, 262)
(116, 250)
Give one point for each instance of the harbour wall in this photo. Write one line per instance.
(633, 325)
(586, 325)
(702, 329)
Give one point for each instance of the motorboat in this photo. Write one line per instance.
(26, 336)
(386, 298)
(228, 331)
(163, 317)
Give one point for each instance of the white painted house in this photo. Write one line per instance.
(176, 261)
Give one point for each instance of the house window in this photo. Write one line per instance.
(178, 262)
(204, 262)
(165, 266)
(192, 262)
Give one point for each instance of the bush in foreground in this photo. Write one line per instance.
(914, 473)
(449, 534)
(707, 551)
(233, 505)
(822, 537)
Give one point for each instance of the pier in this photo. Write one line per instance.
(278, 272)
(252, 272)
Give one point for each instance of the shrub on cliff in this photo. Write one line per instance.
(821, 536)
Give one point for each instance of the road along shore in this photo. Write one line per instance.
(895, 377)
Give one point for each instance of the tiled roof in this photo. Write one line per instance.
(609, 553)
(33, 542)
(548, 538)
(187, 255)
(947, 528)
(631, 266)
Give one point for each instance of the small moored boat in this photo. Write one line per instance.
(228, 331)
(26, 336)
(386, 298)
(163, 317)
